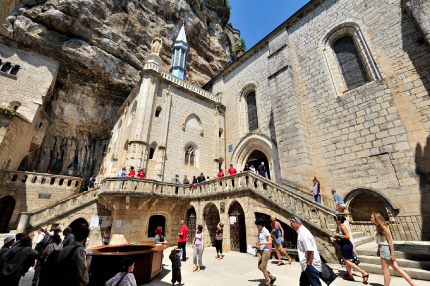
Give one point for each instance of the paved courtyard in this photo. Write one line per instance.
(241, 269)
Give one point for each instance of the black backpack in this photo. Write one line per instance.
(64, 270)
(53, 257)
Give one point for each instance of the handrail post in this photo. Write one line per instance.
(23, 222)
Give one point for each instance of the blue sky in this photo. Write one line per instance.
(256, 18)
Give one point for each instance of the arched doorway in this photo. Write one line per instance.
(25, 164)
(257, 148)
(7, 205)
(290, 235)
(154, 222)
(191, 224)
(237, 227)
(78, 223)
(211, 219)
(362, 202)
(256, 158)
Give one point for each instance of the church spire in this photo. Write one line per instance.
(179, 60)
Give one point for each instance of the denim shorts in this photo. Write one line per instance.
(384, 251)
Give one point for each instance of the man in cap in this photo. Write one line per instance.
(309, 257)
(8, 243)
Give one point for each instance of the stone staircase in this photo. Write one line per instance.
(412, 256)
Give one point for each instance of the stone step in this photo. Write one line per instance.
(412, 272)
(407, 250)
(357, 234)
(362, 240)
(403, 263)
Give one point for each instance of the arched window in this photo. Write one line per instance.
(154, 222)
(15, 70)
(6, 67)
(251, 104)
(350, 63)
(158, 111)
(151, 152)
(190, 156)
(40, 124)
(220, 132)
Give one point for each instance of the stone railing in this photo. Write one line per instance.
(190, 87)
(17, 179)
(35, 219)
(288, 199)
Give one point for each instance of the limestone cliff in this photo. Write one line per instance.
(101, 46)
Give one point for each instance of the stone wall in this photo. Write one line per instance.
(373, 136)
(32, 192)
(419, 11)
(6, 8)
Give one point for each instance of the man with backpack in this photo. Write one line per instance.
(72, 266)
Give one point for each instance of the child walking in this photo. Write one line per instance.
(175, 257)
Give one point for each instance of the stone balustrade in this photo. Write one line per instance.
(17, 179)
(36, 218)
(290, 200)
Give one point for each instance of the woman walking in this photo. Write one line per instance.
(278, 233)
(198, 247)
(346, 249)
(386, 250)
(49, 258)
(316, 190)
(125, 277)
(218, 240)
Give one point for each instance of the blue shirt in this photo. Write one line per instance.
(338, 198)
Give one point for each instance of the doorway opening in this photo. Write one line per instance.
(237, 228)
(256, 158)
(154, 222)
(191, 224)
(211, 219)
(7, 205)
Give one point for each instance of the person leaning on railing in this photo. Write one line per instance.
(340, 205)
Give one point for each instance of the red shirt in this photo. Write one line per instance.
(132, 173)
(220, 174)
(141, 175)
(232, 171)
(184, 230)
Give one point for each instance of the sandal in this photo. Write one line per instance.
(280, 263)
(289, 260)
(365, 278)
(195, 269)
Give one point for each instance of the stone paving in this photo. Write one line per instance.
(241, 269)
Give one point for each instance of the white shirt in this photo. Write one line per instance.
(262, 238)
(40, 237)
(252, 169)
(306, 242)
(128, 280)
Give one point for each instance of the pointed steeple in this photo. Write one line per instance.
(181, 36)
(179, 60)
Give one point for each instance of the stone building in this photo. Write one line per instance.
(336, 91)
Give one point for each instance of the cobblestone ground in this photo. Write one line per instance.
(237, 269)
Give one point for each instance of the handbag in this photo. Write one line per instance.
(327, 275)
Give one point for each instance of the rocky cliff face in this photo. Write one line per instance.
(101, 46)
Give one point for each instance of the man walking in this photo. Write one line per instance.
(309, 257)
(182, 240)
(72, 259)
(232, 171)
(201, 178)
(261, 170)
(263, 253)
(340, 205)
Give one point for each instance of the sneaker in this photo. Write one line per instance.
(272, 280)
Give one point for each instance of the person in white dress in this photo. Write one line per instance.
(125, 277)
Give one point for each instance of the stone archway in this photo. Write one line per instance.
(154, 222)
(237, 227)
(7, 206)
(211, 219)
(363, 201)
(257, 144)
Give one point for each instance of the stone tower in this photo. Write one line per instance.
(179, 61)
